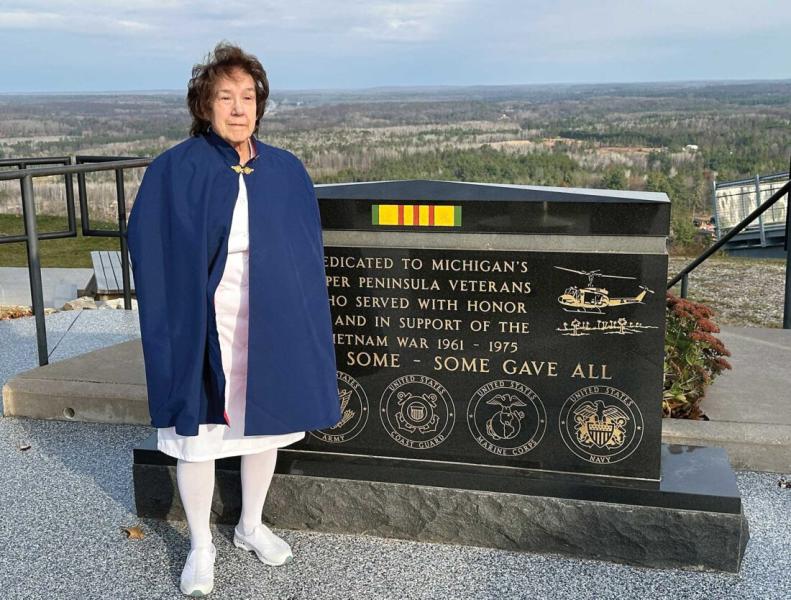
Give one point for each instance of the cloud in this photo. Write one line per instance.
(388, 21)
(600, 31)
(624, 19)
(53, 21)
(537, 25)
(382, 42)
(415, 21)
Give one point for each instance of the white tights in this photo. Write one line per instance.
(196, 488)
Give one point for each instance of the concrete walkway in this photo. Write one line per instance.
(750, 405)
(758, 388)
(59, 285)
(66, 499)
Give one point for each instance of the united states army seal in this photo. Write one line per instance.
(417, 412)
(601, 424)
(506, 418)
(354, 412)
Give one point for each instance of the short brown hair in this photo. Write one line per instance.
(221, 62)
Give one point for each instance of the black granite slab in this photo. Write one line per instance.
(639, 535)
(693, 477)
(499, 208)
(541, 360)
(691, 520)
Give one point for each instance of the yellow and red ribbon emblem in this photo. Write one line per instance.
(418, 215)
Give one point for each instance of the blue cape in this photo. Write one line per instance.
(178, 240)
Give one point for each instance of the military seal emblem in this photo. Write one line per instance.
(601, 424)
(417, 411)
(354, 412)
(506, 418)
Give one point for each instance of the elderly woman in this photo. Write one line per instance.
(226, 250)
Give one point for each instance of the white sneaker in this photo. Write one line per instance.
(270, 549)
(197, 578)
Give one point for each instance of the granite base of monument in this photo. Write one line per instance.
(692, 519)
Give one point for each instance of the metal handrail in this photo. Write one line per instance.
(110, 165)
(736, 182)
(683, 275)
(23, 162)
(31, 235)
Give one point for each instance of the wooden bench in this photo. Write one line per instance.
(107, 281)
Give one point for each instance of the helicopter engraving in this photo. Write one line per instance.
(592, 299)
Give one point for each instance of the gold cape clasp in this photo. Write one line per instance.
(241, 169)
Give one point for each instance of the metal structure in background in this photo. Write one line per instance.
(65, 168)
(757, 213)
(734, 200)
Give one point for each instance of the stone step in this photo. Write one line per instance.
(672, 524)
(102, 386)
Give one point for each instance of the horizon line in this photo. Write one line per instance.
(405, 87)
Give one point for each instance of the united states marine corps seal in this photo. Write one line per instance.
(601, 424)
(417, 412)
(354, 412)
(506, 418)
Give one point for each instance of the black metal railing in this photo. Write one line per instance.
(31, 236)
(683, 275)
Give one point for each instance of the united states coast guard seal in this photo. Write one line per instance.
(417, 412)
(506, 418)
(354, 412)
(601, 424)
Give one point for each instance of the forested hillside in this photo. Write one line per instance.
(673, 138)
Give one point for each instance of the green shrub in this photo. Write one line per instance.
(693, 357)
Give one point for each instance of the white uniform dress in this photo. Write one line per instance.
(231, 306)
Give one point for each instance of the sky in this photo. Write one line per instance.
(124, 45)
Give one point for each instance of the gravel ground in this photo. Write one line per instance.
(66, 499)
(743, 292)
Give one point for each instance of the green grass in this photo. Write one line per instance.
(63, 252)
